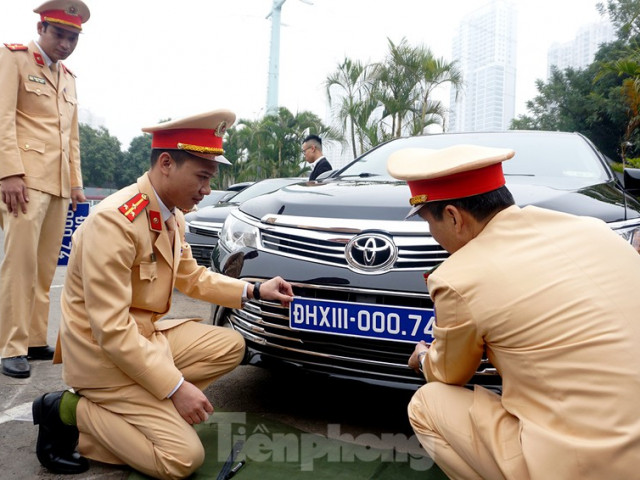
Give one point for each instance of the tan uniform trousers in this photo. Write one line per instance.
(440, 416)
(31, 248)
(128, 425)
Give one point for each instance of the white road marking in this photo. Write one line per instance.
(21, 413)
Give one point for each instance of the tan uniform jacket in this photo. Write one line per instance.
(554, 299)
(118, 284)
(38, 123)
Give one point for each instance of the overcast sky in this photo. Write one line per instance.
(139, 61)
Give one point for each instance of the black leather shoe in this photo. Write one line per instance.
(17, 367)
(40, 353)
(56, 441)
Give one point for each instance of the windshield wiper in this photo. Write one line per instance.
(361, 175)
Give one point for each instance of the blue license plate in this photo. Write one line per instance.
(403, 324)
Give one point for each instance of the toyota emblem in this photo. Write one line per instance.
(371, 253)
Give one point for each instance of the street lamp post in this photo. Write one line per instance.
(274, 55)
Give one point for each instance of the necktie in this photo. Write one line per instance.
(171, 229)
(54, 71)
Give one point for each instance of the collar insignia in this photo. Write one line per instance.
(430, 271)
(155, 221)
(38, 58)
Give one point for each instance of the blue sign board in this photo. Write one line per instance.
(74, 220)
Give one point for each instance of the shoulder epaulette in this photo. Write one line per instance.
(134, 206)
(66, 70)
(16, 47)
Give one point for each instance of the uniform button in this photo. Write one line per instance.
(37, 90)
(26, 145)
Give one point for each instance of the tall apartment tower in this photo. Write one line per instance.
(485, 50)
(580, 52)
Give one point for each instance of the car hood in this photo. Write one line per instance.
(212, 213)
(389, 200)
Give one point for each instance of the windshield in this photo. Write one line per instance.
(557, 160)
(262, 187)
(212, 198)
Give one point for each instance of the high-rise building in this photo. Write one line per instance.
(580, 52)
(485, 51)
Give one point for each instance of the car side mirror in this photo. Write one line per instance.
(632, 180)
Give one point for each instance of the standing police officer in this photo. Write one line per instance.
(39, 173)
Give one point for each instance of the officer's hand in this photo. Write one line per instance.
(77, 196)
(14, 194)
(191, 403)
(277, 289)
(414, 360)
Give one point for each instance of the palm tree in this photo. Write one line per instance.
(409, 77)
(397, 79)
(380, 101)
(270, 147)
(350, 88)
(432, 73)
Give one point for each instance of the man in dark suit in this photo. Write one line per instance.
(312, 151)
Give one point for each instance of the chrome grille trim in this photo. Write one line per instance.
(242, 325)
(207, 229)
(410, 377)
(376, 363)
(266, 324)
(414, 252)
(349, 226)
(258, 321)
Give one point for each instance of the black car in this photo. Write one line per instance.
(357, 266)
(216, 196)
(204, 224)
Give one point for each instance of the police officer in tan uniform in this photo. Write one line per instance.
(39, 175)
(140, 380)
(551, 298)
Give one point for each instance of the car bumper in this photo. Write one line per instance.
(270, 340)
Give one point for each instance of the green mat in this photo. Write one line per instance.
(274, 450)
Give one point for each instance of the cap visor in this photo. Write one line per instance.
(222, 160)
(414, 211)
(215, 158)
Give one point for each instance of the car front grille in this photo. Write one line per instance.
(265, 326)
(207, 231)
(202, 254)
(330, 248)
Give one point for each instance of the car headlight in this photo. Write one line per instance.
(630, 232)
(237, 234)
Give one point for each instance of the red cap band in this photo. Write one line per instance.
(200, 140)
(62, 17)
(459, 185)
